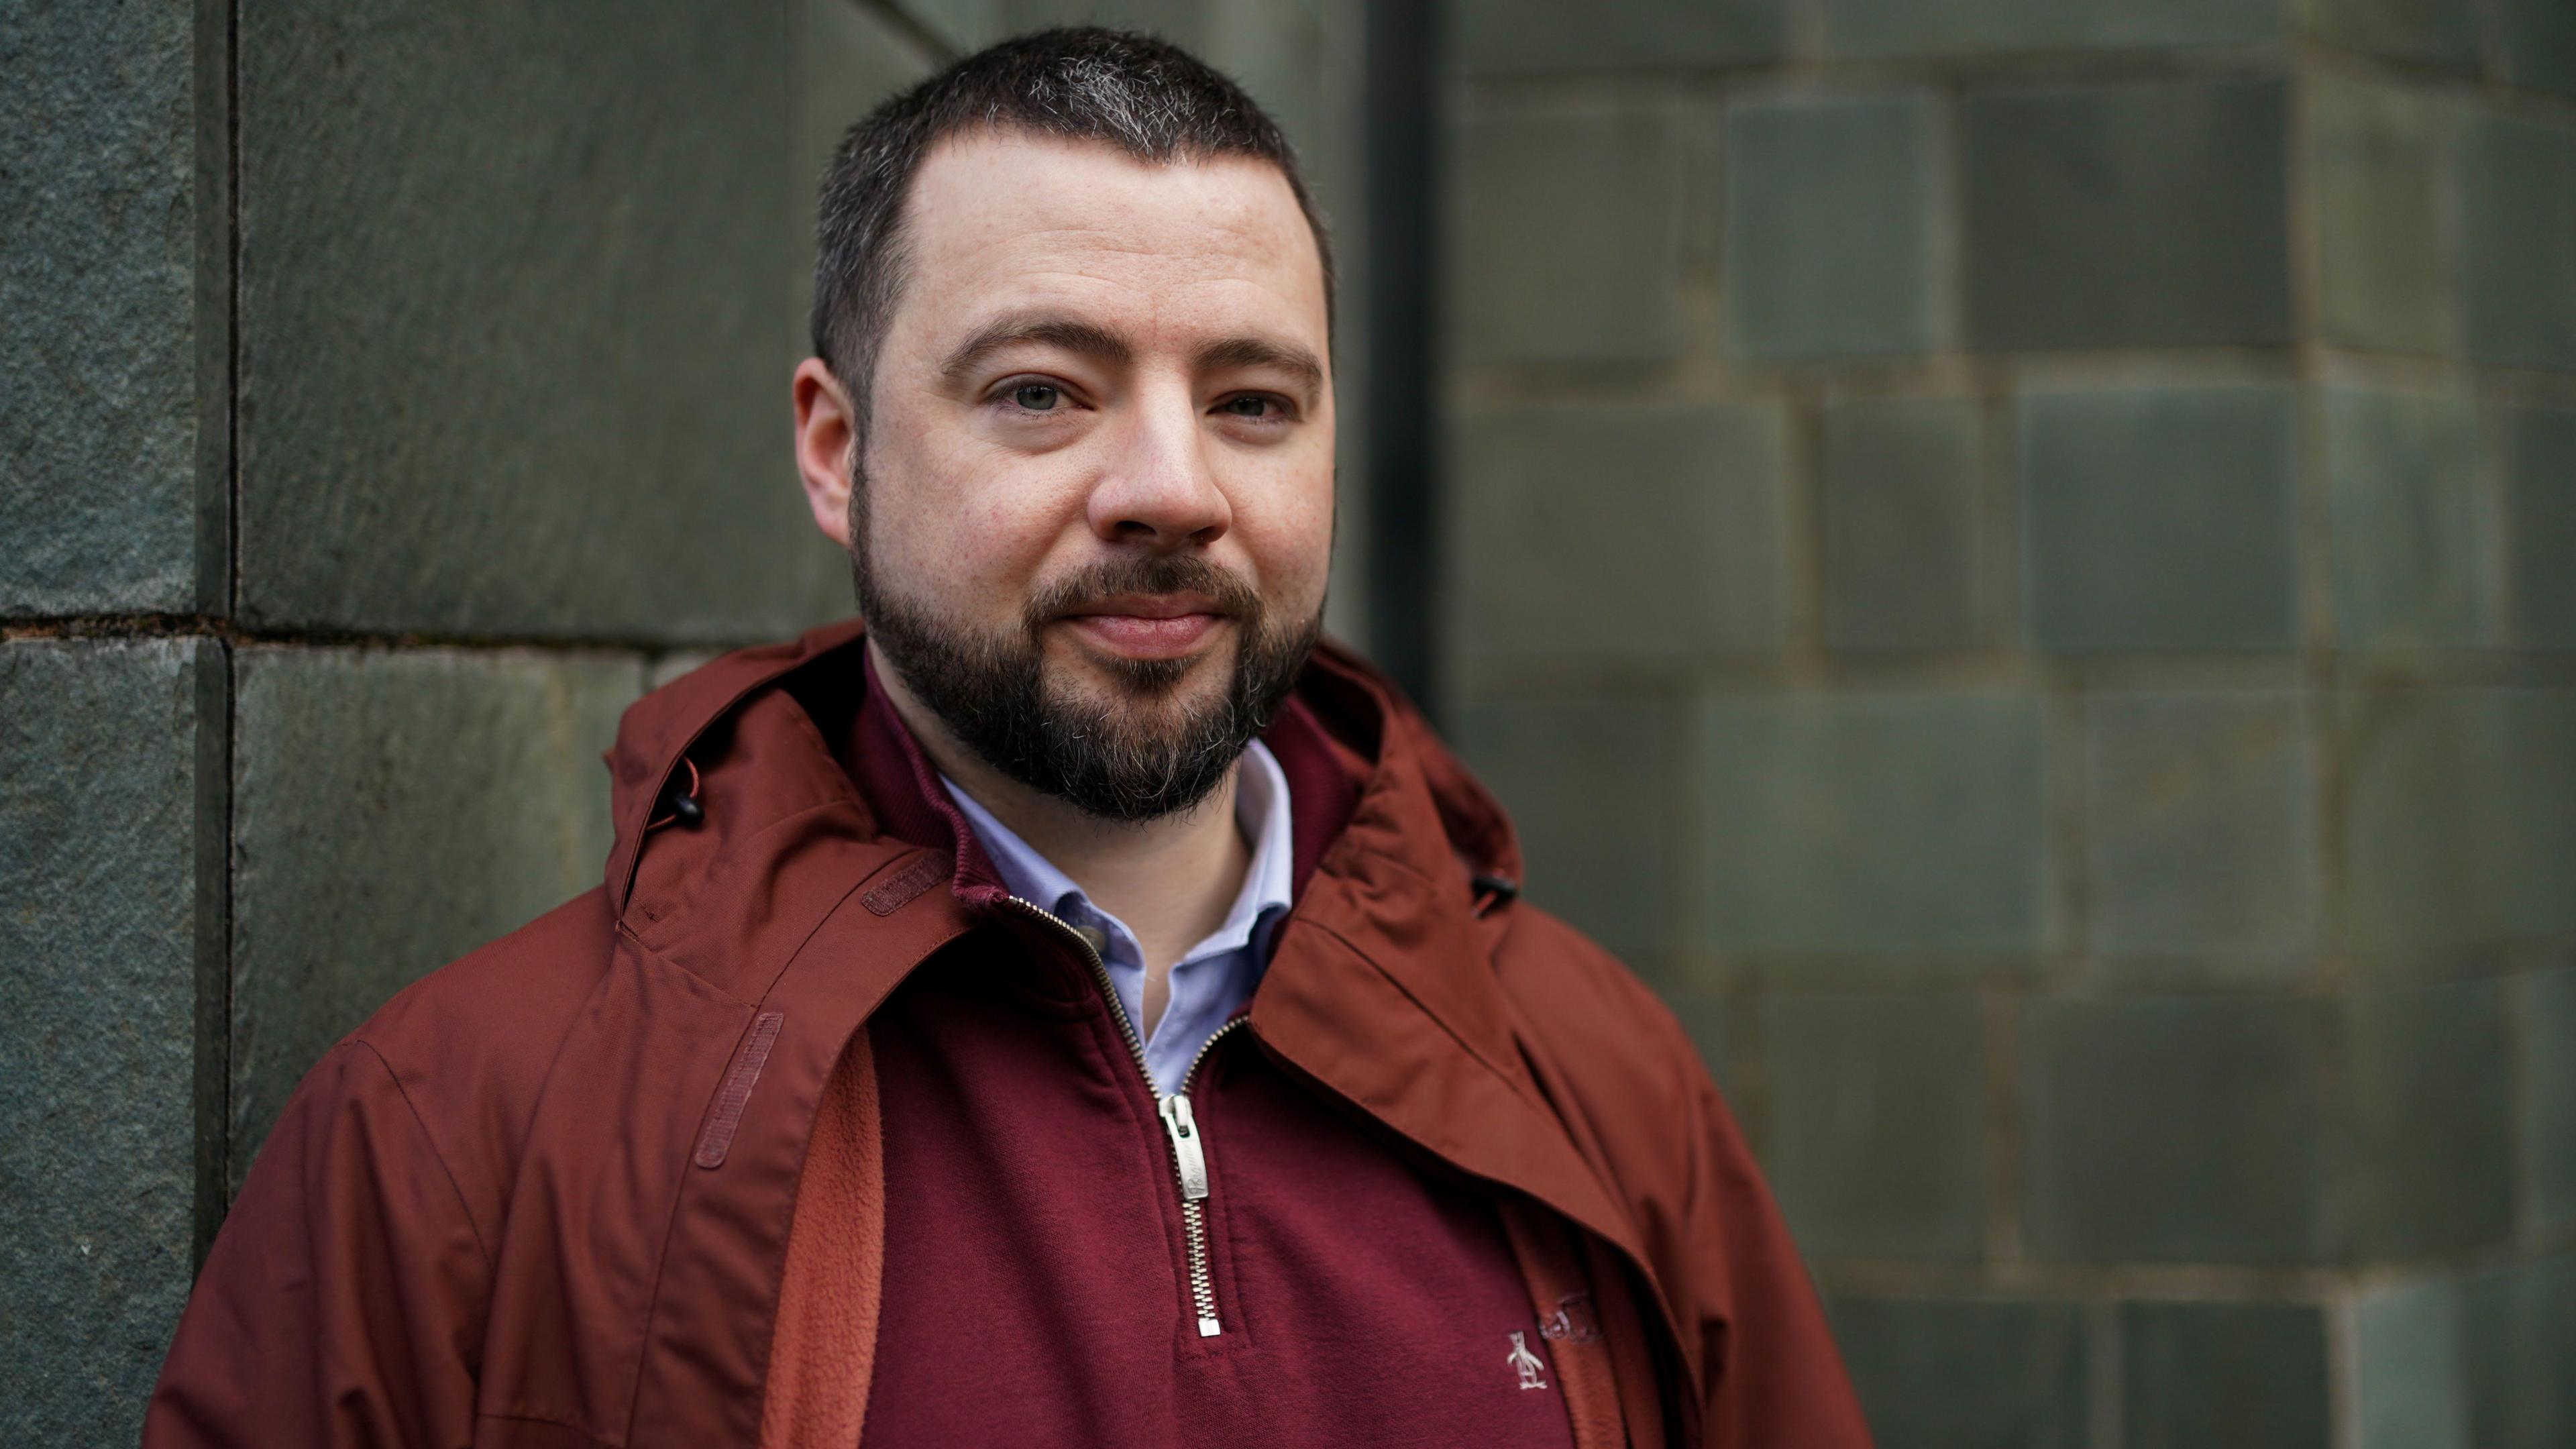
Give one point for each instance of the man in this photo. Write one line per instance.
(1079, 1009)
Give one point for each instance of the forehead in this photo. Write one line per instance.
(1001, 222)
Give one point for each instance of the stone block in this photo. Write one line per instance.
(512, 300)
(1877, 1141)
(2160, 518)
(2549, 1090)
(2411, 1382)
(1872, 823)
(112, 844)
(1966, 1371)
(1184, 22)
(2138, 215)
(1589, 787)
(852, 59)
(2459, 817)
(1566, 241)
(2432, 1119)
(2200, 1374)
(1901, 485)
(113, 383)
(960, 25)
(2175, 1129)
(2518, 1342)
(391, 811)
(1619, 530)
(2518, 240)
(2540, 44)
(2413, 534)
(2484, 1362)
(2433, 32)
(1981, 28)
(2537, 451)
(2376, 161)
(2200, 827)
(1828, 217)
(1526, 37)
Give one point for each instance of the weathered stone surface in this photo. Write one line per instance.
(1588, 785)
(2436, 32)
(852, 58)
(1872, 823)
(2200, 827)
(2143, 215)
(2413, 536)
(1715, 1022)
(1901, 481)
(2459, 821)
(513, 295)
(112, 382)
(1566, 234)
(2537, 451)
(1184, 22)
(1967, 1371)
(2549, 1087)
(2518, 240)
(2160, 518)
(2540, 44)
(2485, 1362)
(2175, 1129)
(1618, 530)
(2375, 162)
(2199, 1374)
(1981, 27)
(2518, 1334)
(1519, 37)
(111, 844)
(1828, 218)
(2432, 1119)
(391, 811)
(961, 25)
(1877, 1147)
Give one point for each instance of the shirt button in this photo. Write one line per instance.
(1094, 937)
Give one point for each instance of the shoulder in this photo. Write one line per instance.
(468, 1047)
(1583, 1010)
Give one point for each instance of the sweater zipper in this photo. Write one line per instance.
(1180, 1128)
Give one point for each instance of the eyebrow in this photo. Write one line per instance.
(1262, 352)
(1078, 337)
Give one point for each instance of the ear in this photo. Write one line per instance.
(825, 428)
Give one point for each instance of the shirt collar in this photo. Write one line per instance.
(1260, 812)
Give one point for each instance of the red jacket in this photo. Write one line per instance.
(800, 1130)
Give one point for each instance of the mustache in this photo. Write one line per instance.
(1146, 576)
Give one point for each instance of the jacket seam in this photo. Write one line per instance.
(1478, 1057)
(420, 1124)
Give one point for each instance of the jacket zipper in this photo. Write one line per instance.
(1180, 1128)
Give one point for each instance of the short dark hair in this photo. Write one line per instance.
(1146, 96)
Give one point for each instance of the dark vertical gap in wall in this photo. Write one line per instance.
(1403, 561)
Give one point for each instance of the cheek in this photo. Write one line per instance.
(1287, 527)
(953, 521)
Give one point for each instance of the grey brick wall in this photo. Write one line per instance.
(2015, 555)
(391, 392)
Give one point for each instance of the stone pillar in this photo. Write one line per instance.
(2016, 559)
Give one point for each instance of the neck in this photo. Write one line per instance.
(1171, 880)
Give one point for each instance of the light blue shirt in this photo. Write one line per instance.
(1212, 978)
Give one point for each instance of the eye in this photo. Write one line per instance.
(1255, 406)
(1036, 397)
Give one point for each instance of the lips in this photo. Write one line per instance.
(1157, 626)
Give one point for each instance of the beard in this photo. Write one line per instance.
(1146, 751)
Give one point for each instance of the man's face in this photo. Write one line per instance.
(1094, 508)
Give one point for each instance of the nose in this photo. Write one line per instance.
(1159, 487)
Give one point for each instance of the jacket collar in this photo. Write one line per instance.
(1382, 987)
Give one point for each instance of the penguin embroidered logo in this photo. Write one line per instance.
(1532, 1371)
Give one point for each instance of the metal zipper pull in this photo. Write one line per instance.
(1184, 1132)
